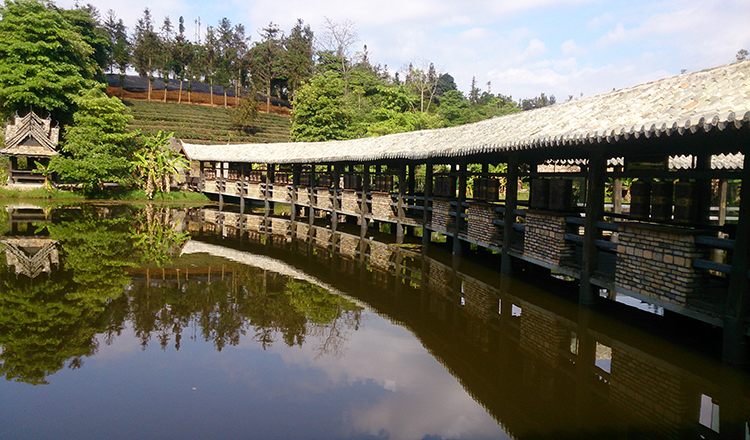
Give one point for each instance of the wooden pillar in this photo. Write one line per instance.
(400, 203)
(462, 178)
(723, 202)
(242, 185)
(412, 179)
(594, 211)
(296, 171)
(735, 349)
(511, 201)
(703, 191)
(335, 200)
(202, 181)
(311, 210)
(617, 192)
(363, 207)
(427, 232)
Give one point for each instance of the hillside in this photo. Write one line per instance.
(204, 124)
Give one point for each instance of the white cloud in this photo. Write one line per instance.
(569, 47)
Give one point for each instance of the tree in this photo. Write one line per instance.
(298, 62)
(165, 56)
(157, 164)
(146, 49)
(338, 39)
(44, 60)
(86, 21)
(182, 55)
(320, 114)
(423, 80)
(119, 55)
(97, 148)
(742, 54)
(266, 59)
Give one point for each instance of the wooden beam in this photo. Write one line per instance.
(594, 212)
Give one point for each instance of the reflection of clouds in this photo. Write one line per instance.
(422, 399)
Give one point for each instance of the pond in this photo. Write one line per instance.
(158, 322)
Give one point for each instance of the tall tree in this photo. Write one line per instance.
(338, 39)
(266, 59)
(210, 59)
(165, 57)
(86, 21)
(182, 55)
(299, 61)
(146, 49)
(423, 81)
(119, 55)
(44, 60)
(321, 113)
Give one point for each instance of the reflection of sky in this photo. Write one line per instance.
(385, 386)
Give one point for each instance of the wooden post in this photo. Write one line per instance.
(242, 184)
(462, 177)
(735, 349)
(412, 179)
(335, 200)
(511, 201)
(296, 171)
(594, 211)
(311, 210)
(427, 232)
(363, 207)
(617, 192)
(703, 191)
(722, 202)
(400, 203)
(202, 181)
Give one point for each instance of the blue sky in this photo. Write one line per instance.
(522, 47)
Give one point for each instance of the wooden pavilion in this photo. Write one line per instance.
(28, 141)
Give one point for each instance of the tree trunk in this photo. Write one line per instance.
(268, 99)
(225, 97)
(179, 98)
(212, 92)
(150, 86)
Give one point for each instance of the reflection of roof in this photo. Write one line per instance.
(261, 262)
(31, 136)
(707, 101)
(31, 256)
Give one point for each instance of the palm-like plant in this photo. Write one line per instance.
(157, 164)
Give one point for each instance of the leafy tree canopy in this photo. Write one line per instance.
(97, 148)
(44, 59)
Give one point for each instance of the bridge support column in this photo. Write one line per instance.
(363, 207)
(594, 211)
(735, 347)
(462, 177)
(427, 232)
(400, 204)
(511, 201)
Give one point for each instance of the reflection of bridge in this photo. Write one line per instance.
(543, 367)
(683, 138)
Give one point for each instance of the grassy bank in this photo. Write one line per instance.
(56, 195)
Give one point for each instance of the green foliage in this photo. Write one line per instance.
(157, 164)
(44, 59)
(245, 117)
(320, 114)
(98, 146)
(392, 121)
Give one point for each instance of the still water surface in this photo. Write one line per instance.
(124, 322)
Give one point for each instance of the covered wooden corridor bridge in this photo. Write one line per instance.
(675, 144)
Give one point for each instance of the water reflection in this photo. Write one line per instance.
(285, 307)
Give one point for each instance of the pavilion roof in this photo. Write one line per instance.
(709, 100)
(32, 136)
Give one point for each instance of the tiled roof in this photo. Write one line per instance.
(713, 99)
(31, 136)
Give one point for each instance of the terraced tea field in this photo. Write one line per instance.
(204, 124)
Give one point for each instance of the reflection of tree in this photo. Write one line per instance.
(248, 300)
(54, 318)
(155, 236)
